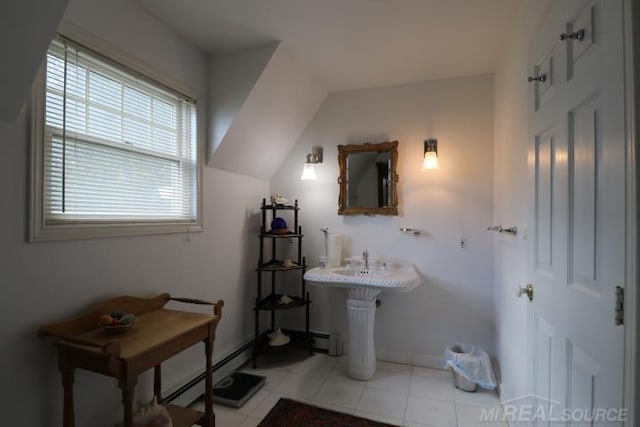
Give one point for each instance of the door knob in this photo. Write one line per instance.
(527, 290)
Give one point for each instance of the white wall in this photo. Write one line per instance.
(455, 301)
(43, 282)
(232, 77)
(25, 36)
(512, 200)
(268, 123)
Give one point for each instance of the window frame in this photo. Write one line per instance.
(39, 229)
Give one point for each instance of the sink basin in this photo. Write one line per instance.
(361, 273)
(393, 277)
(363, 286)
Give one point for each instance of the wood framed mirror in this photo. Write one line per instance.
(368, 179)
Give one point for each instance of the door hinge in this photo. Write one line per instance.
(619, 308)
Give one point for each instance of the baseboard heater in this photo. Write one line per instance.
(229, 358)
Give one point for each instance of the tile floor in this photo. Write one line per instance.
(401, 395)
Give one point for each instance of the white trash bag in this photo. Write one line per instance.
(471, 362)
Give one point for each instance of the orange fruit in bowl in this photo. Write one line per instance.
(106, 320)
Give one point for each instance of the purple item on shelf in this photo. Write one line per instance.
(278, 224)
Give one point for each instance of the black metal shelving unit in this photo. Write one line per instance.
(273, 267)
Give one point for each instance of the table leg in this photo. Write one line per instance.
(157, 382)
(68, 417)
(209, 416)
(127, 402)
(254, 355)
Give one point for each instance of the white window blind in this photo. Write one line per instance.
(117, 148)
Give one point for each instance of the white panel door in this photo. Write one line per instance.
(577, 164)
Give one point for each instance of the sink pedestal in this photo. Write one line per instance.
(361, 315)
(363, 286)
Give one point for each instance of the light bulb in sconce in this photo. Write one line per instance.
(313, 158)
(309, 172)
(430, 161)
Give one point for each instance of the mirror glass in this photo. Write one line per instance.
(368, 179)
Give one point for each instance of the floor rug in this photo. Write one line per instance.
(289, 413)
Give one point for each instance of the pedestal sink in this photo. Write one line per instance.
(363, 285)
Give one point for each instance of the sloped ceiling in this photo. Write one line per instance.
(26, 29)
(256, 116)
(260, 102)
(231, 78)
(352, 44)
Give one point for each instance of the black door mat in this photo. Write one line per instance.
(235, 389)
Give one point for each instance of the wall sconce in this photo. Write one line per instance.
(313, 158)
(430, 161)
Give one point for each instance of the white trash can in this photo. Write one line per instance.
(462, 383)
(470, 366)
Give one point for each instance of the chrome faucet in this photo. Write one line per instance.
(365, 256)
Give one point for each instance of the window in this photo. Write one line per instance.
(116, 154)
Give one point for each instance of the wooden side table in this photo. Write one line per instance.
(158, 335)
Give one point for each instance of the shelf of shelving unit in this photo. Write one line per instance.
(277, 265)
(271, 303)
(282, 207)
(298, 341)
(280, 235)
(274, 267)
